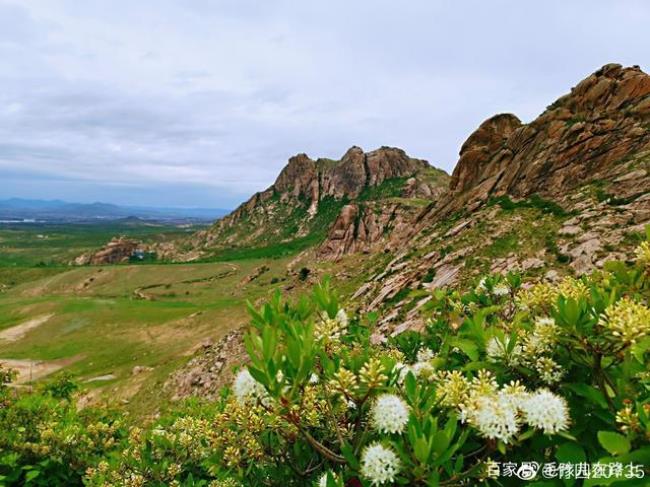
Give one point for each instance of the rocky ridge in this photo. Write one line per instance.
(583, 136)
(308, 195)
(561, 195)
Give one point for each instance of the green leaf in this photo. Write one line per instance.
(259, 376)
(590, 393)
(31, 475)
(639, 349)
(613, 442)
(269, 342)
(468, 347)
(570, 453)
(421, 450)
(440, 442)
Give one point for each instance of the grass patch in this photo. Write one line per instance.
(390, 188)
(503, 245)
(535, 201)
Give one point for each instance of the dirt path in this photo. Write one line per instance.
(17, 332)
(30, 370)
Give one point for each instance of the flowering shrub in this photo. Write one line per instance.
(544, 374)
(44, 440)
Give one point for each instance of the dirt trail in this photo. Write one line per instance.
(30, 370)
(17, 332)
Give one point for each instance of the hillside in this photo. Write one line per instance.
(309, 195)
(559, 196)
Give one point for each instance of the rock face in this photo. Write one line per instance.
(560, 195)
(345, 178)
(116, 251)
(368, 227)
(579, 138)
(305, 187)
(209, 370)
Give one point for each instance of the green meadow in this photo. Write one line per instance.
(99, 322)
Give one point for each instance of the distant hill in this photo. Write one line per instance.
(57, 211)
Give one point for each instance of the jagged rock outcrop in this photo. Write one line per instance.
(368, 227)
(304, 186)
(561, 195)
(345, 178)
(581, 137)
(118, 250)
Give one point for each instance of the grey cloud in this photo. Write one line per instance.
(167, 99)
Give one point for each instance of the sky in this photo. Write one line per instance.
(201, 102)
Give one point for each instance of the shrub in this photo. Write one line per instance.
(304, 273)
(501, 374)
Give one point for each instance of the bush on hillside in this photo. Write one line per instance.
(503, 374)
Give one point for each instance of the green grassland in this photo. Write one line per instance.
(43, 244)
(102, 321)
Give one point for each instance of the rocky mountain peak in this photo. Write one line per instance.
(580, 137)
(347, 177)
(308, 195)
(477, 150)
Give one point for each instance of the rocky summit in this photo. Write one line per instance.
(583, 136)
(312, 199)
(560, 195)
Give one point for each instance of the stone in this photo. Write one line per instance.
(552, 276)
(532, 263)
(118, 250)
(569, 230)
(445, 276)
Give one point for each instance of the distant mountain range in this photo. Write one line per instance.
(18, 209)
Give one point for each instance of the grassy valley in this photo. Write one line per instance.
(99, 322)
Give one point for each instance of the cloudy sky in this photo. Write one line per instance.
(201, 102)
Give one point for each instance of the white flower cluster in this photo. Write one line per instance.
(498, 290)
(497, 351)
(546, 411)
(328, 329)
(501, 290)
(548, 369)
(542, 338)
(246, 389)
(494, 416)
(532, 349)
(425, 354)
(497, 413)
(389, 414)
(423, 368)
(379, 464)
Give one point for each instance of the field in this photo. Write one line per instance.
(45, 244)
(99, 322)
